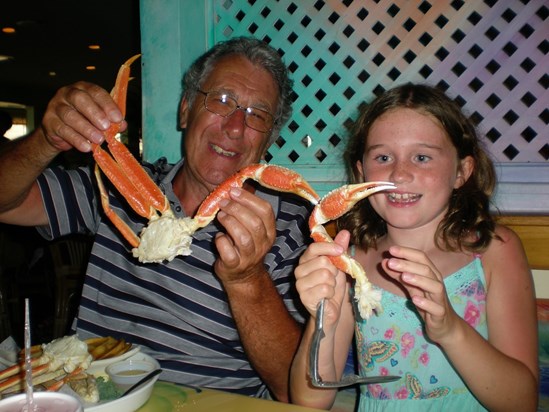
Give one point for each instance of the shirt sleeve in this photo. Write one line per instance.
(70, 201)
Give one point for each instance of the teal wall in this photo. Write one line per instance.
(173, 34)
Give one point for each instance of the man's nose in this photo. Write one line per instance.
(235, 123)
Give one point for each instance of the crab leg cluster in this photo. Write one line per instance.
(124, 171)
(63, 360)
(64, 356)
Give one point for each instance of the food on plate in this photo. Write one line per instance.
(107, 347)
(107, 389)
(62, 361)
(86, 387)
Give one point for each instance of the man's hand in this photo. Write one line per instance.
(251, 231)
(79, 114)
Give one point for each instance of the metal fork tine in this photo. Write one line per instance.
(347, 380)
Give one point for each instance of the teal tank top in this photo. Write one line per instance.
(393, 342)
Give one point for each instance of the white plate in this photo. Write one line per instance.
(132, 401)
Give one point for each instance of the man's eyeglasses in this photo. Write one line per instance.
(224, 105)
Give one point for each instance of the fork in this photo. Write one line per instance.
(347, 380)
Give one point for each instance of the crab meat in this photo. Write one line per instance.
(164, 238)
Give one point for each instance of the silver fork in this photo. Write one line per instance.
(347, 380)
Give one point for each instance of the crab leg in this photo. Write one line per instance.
(335, 204)
(57, 385)
(129, 178)
(128, 164)
(270, 176)
(122, 226)
(12, 376)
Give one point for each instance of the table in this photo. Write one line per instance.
(168, 397)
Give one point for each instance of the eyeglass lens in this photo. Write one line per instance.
(225, 105)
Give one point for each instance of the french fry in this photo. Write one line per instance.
(95, 342)
(115, 350)
(100, 350)
(107, 347)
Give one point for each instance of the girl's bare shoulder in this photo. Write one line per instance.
(505, 255)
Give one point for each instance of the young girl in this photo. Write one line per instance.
(458, 319)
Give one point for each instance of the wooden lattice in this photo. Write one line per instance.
(492, 56)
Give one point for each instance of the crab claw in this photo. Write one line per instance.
(335, 204)
(271, 176)
(339, 201)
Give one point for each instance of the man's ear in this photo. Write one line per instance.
(465, 170)
(183, 113)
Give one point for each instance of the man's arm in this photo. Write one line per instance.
(76, 116)
(269, 334)
(21, 162)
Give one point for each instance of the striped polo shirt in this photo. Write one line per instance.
(177, 311)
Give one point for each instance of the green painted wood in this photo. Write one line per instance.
(173, 34)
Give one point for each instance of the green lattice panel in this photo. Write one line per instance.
(489, 55)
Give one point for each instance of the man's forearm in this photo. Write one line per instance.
(21, 162)
(269, 334)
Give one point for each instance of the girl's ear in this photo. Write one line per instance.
(360, 169)
(465, 170)
(183, 113)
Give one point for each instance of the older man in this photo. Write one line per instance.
(225, 316)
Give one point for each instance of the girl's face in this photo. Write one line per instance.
(412, 150)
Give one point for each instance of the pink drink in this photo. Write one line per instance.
(43, 402)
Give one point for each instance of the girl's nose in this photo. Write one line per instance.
(401, 172)
(235, 124)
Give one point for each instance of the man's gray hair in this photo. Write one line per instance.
(257, 52)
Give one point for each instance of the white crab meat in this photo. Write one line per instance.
(67, 353)
(165, 238)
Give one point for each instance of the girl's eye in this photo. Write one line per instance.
(382, 158)
(423, 158)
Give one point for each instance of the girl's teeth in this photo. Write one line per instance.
(403, 197)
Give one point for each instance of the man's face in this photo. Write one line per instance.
(216, 146)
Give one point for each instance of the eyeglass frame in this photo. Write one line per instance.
(246, 110)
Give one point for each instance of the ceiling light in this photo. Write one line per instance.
(8, 30)
(94, 47)
(4, 58)
(90, 67)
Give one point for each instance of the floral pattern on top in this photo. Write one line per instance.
(393, 342)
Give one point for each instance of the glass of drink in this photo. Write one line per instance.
(43, 402)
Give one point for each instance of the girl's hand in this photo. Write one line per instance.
(424, 283)
(317, 278)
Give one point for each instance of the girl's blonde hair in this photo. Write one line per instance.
(468, 210)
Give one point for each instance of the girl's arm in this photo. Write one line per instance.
(318, 279)
(502, 372)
